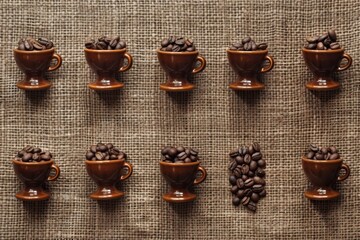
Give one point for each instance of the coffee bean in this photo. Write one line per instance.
(261, 163)
(320, 46)
(27, 157)
(232, 165)
(38, 46)
(246, 40)
(245, 201)
(311, 46)
(255, 197)
(180, 154)
(262, 193)
(177, 44)
(93, 148)
(256, 156)
(251, 206)
(21, 153)
(323, 37)
(327, 42)
(89, 155)
(312, 39)
(310, 155)
(319, 156)
(180, 41)
(236, 201)
(333, 149)
(241, 193)
(234, 153)
(257, 188)
(332, 35)
(244, 177)
(245, 169)
(232, 180)
(253, 165)
(262, 46)
(334, 156)
(240, 183)
(234, 189)
(237, 172)
(247, 159)
(334, 45)
(99, 156)
(256, 147)
(28, 149)
(249, 182)
(180, 149)
(253, 46)
(237, 45)
(176, 48)
(239, 160)
(188, 160)
(247, 46)
(260, 172)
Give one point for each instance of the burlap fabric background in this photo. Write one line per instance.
(284, 118)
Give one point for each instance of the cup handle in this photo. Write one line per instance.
(203, 176)
(347, 65)
(270, 66)
(58, 62)
(57, 173)
(202, 65)
(129, 64)
(347, 172)
(130, 170)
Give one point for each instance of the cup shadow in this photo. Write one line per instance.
(37, 97)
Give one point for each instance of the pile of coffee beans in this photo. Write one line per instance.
(247, 44)
(33, 154)
(177, 44)
(247, 175)
(315, 152)
(105, 43)
(325, 41)
(32, 44)
(179, 154)
(101, 151)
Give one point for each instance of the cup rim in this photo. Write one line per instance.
(177, 53)
(321, 161)
(323, 51)
(179, 164)
(104, 161)
(33, 163)
(247, 52)
(34, 51)
(105, 51)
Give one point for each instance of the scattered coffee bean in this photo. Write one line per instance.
(181, 154)
(105, 43)
(31, 44)
(33, 154)
(177, 44)
(247, 44)
(326, 41)
(247, 173)
(100, 152)
(322, 153)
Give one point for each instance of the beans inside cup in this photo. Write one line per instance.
(33, 154)
(324, 41)
(101, 152)
(177, 44)
(105, 43)
(179, 154)
(315, 152)
(247, 44)
(32, 44)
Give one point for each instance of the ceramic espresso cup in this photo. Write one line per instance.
(247, 66)
(34, 175)
(106, 63)
(323, 175)
(35, 64)
(106, 174)
(323, 63)
(179, 67)
(181, 177)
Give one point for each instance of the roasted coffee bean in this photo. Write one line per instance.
(312, 39)
(327, 42)
(232, 180)
(109, 146)
(259, 180)
(243, 150)
(21, 153)
(180, 154)
(310, 155)
(232, 165)
(323, 37)
(238, 45)
(256, 147)
(253, 46)
(105, 43)
(93, 148)
(245, 169)
(247, 159)
(244, 177)
(334, 156)
(36, 150)
(102, 151)
(262, 46)
(260, 172)
(261, 163)
(241, 193)
(333, 149)
(319, 156)
(311, 46)
(236, 201)
(28, 149)
(246, 40)
(239, 160)
(31, 154)
(262, 193)
(320, 46)
(253, 165)
(36, 157)
(245, 201)
(234, 189)
(251, 206)
(237, 172)
(249, 182)
(251, 174)
(257, 188)
(332, 35)
(45, 157)
(334, 45)
(27, 157)
(172, 152)
(188, 160)
(99, 156)
(255, 197)
(89, 155)
(234, 153)
(176, 48)
(247, 46)
(240, 183)
(30, 44)
(38, 46)
(256, 156)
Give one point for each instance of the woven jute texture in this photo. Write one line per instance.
(141, 118)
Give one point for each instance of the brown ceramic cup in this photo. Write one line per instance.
(323, 174)
(179, 66)
(323, 63)
(106, 174)
(34, 175)
(247, 66)
(35, 64)
(181, 177)
(106, 63)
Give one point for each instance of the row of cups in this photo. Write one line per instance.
(179, 66)
(181, 177)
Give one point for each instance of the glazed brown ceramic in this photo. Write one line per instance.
(179, 66)
(181, 177)
(247, 65)
(106, 174)
(323, 174)
(34, 175)
(106, 63)
(323, 63)
(35, 64)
